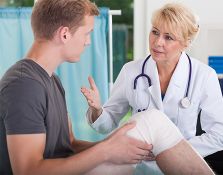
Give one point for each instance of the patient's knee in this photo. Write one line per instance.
(155, 128)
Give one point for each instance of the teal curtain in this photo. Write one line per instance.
(15, 35)
(93, 62)
(120, 46)
(15, 39)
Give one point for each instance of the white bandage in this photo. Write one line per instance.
(155, 128)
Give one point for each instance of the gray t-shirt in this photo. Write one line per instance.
(32, 102)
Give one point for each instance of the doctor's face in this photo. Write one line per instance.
(164, 46)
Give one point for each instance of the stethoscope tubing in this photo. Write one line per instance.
(190, 72)
(142, 74)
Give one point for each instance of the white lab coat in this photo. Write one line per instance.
(204, 94)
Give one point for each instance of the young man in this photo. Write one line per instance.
(35, 132)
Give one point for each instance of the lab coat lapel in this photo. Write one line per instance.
(154, 90)
(178, 81)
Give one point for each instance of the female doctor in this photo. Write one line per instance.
(168, 80)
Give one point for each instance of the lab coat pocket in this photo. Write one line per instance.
(141, 100)
(187, 119)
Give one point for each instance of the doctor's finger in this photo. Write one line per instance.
(88, 91)
(92, 83)
(85, 90)
(89, 96)
(86, 94)
(89, 99)
(91, 103)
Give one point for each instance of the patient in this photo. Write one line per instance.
(174, 155)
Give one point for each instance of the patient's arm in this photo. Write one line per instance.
(182, 159)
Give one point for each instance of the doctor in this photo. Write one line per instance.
(168, 80)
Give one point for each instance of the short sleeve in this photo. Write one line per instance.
(25, 107)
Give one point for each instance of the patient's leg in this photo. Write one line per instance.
(182, 159)
(174, 155)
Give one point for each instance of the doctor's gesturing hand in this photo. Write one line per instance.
(93, 98)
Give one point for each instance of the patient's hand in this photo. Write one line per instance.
(150, 157)
(124, 149)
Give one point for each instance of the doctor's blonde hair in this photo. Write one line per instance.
(179, 19)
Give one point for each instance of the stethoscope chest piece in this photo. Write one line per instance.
(185, 102)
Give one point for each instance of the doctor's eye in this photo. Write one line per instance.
(167, 37)
(154, 32)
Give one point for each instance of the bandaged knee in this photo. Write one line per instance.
(155, 128)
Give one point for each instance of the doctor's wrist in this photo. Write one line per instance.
(95, 113)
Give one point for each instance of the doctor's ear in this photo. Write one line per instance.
(187, 44)
(184, 46)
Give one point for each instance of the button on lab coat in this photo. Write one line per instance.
(204, 94)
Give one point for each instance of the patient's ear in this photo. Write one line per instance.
(64, 34)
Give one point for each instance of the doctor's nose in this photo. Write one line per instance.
(159, 41)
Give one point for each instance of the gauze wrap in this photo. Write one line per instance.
(155, 128)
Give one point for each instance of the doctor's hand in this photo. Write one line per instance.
(92, 96)
(124, 149)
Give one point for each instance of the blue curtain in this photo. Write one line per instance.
(15, 35)
(15, 39)
(93, 62)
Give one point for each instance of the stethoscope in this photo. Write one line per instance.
(185, 102)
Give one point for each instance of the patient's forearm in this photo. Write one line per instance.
(80, 145)
(182, 159)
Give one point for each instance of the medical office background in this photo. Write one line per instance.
(130, 41)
